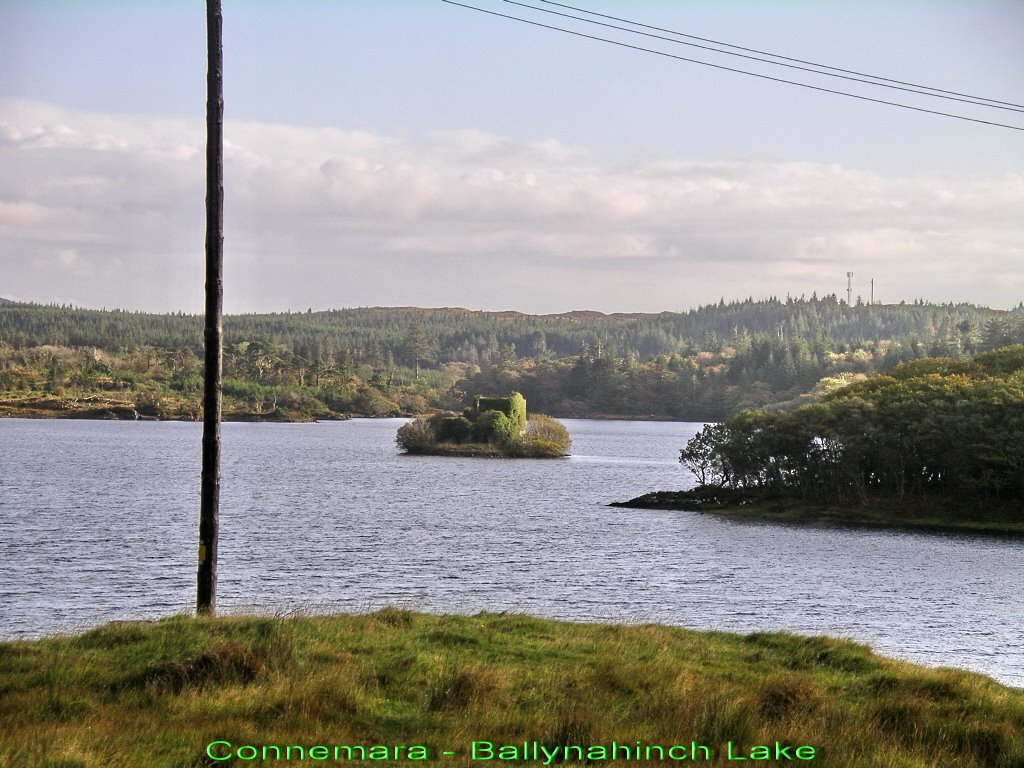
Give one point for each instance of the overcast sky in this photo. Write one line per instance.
(419, 153)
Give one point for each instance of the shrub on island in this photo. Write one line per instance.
(492, 426)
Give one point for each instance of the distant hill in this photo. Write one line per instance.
(377, 334)
(701, 365)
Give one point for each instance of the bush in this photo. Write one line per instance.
(1004, 360)
(411, 402)
(517, 406)
(415, 436)
(338, 399)
(297, 400)
(943, 366)
(494, 427)
(453, 429)
(513, 407)
(371, 402)
(547, 434)
(149, 403)
(188, 384)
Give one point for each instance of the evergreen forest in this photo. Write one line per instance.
(705, 364)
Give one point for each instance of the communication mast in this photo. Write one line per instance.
(849, 289)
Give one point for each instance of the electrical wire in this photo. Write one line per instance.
(776, 55)
(977, 101)
(733, 69)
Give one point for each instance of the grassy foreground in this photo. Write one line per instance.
(156, 694)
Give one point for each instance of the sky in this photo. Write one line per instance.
(418, 153)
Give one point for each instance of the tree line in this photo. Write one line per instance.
(704, 364)
(932, 426)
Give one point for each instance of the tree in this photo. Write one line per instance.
(506, 358)
(416, 346)
(415, 436)
(703, 455)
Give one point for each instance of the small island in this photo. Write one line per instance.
(492, 426)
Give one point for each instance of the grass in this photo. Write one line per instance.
(155, 694)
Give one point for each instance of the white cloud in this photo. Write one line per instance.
(31, 218)
(326, 217)
(66, 261)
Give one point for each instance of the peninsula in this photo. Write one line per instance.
(935, 443)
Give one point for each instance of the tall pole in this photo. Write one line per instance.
(209, 494)
(849, 289)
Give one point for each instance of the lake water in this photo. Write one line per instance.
(98, 521)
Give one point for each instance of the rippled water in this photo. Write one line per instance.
(98, 521)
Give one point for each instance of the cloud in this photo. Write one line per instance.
(31, 218)
(66, 261)
(319, 216)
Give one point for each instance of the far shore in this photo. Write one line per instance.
(975, 516)
(115, 410)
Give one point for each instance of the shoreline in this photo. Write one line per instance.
(917, 514)
(482, 451)
(114, 410)
(123, 411)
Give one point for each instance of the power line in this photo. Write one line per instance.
(733, 69)
(778, 56)
(975, 100)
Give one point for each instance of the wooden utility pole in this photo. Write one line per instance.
(209, 502)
